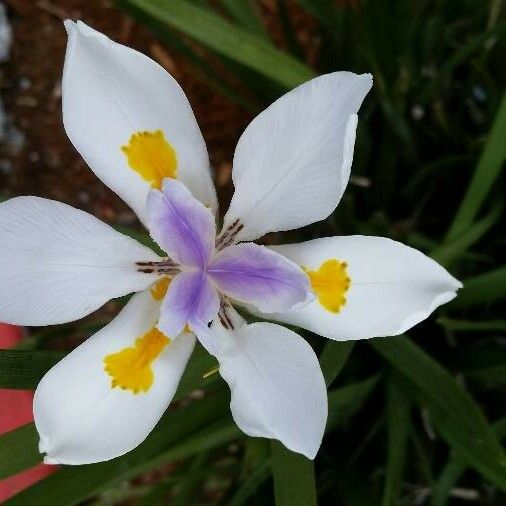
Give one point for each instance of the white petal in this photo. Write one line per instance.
(393, 287)
(58, 264)
(293, 162)
(111, 92)
(277, 386)
(81, 419)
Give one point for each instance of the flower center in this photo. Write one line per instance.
(151, 156)
(330, 284)
(130, 368)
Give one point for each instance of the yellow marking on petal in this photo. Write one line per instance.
(130, 368)
(159, 290)
(330, 284)
(151, 156)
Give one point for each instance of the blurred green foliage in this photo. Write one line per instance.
(414, 420)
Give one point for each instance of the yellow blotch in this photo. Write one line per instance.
(159, 290)
(130, 368)
(151, 156)
(330, 284)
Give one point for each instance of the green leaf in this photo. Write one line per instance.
(454, 248)
(469, 447)
(289, 33)
(333, 358)
(472, 326)
(489, 167)
(18, 450)
(492, 377)
(294, 478)
(485, 288)
(171, 439)
(344, 402)
(244, 12)
(226, 39)
(455, 468)
(398, 423)
(24, 369)
(456, 415)
(247, 489)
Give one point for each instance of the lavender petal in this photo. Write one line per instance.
(255, 275)
(191, 300)
(181, 225)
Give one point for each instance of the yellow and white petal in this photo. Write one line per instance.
(59, 264)
(277, 386)
(106, 396)
(293, 161)
(130, 120)
(366, 286)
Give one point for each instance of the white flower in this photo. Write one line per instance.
(133, 125)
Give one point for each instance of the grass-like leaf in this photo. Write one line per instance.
(489, 167)
(456, 415)
(18, 450)
(22, 369)
(472, 326)
(398, 424)
(333, 358)
(294, 478)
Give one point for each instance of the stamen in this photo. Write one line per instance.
(223, 315)
(227, 237)
(167, 267)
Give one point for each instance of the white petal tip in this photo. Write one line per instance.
(51, 461)
(366, 80)
(69, 26)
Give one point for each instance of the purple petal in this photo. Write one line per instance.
(256, 275)
(180, 224)
(191, 299)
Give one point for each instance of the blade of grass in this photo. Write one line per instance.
(440, 389)
(288, 31)
(469, 447)
(398, 424)
(245, 14)
(472, 326)
(452, 249)
(22, 369)
(487, 170)
(459, 57)
(455, 414)
(493, 377)
(344, 402)
(252, 484)
(294, 477)
(455, 468)
(333, 358)
(18, 450)
(226, 39)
